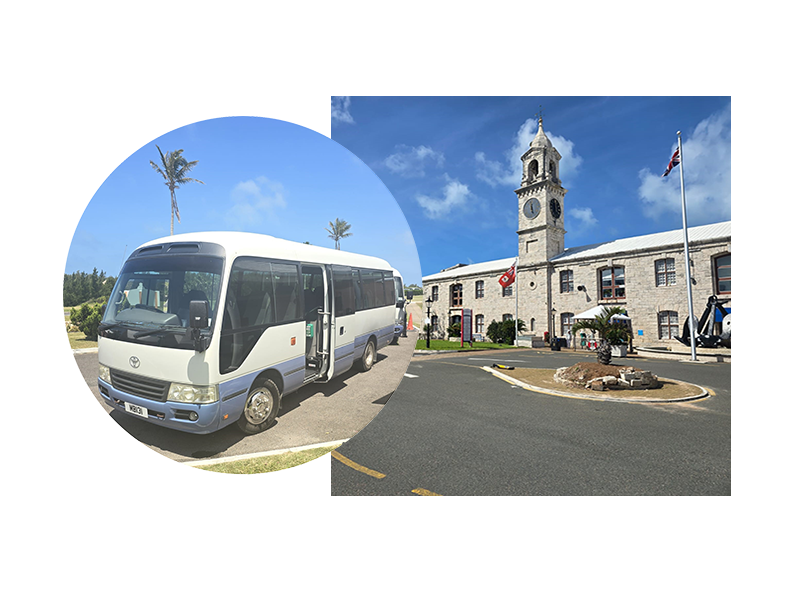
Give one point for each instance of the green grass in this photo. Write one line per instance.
(446, 345)
(267, 464)
(78, 341)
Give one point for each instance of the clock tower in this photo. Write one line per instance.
(540, 203)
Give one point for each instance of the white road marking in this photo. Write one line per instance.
(410, 375)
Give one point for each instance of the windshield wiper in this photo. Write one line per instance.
(163, 330)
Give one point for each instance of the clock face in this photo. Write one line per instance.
(555, 208)
(531, 208)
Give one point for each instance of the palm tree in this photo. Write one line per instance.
(610, 332)
(338, 230)
(174, 168)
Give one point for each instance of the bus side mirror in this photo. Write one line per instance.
(409, 295)
(198, 314)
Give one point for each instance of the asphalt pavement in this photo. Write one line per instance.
(455, 429)
(316, 413)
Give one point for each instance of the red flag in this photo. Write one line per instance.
(673, 162)
(507, 278)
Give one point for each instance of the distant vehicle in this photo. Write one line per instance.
(206, 329)
(400, 306)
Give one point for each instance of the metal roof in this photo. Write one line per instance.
(702, 233)
(499, 266)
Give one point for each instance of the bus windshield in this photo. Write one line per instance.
(150, 301)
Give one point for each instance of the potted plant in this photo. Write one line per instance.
(617, 338)
(610, 333)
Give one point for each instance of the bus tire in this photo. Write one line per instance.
(368, 358)
(261, 407)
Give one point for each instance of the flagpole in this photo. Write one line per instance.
(686, 254)
(516, 301)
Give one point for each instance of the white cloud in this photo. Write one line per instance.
(340, 110)
(454, 196)
(253, 199)
(509, 172)
(707, 175)
(581, 219)
(410, 162)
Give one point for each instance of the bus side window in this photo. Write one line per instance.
(344, 292)
(287, 287)
(357, 287)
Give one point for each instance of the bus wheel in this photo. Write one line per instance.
(368, 359)
(261, 407)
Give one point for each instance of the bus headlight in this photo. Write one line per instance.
(192, 394)
(104, 373)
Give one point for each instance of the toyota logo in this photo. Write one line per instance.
(134, 362)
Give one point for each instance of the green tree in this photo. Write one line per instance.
(338, 230)
(609, 332)
(174, 169)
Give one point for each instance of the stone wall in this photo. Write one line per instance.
(540, 291)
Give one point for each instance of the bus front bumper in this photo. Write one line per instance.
(192, 418)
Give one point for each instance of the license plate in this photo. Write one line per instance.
(136, 410)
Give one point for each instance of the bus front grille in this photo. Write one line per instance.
(151, 389)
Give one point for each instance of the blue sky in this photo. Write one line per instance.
(260, 175)
(453, 163)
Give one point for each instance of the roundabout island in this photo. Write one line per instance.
(594, 381)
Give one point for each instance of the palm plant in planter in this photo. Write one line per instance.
(609, 332)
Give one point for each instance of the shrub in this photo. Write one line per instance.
(503, 333)
(87, 318)
(454, 330)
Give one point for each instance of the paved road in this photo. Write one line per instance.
(314, 414)
(455, 429)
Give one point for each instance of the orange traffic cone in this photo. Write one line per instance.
(410, 324)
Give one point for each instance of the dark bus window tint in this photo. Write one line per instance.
(372, 293)
(250, 295)
(357, 288)
(344, 297)
(286, 284)
(388, 287)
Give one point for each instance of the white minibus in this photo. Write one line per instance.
(206, 329)
(400, 318)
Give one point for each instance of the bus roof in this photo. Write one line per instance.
(238, 243)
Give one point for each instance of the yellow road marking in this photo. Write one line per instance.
(424, 492)
(356, 466)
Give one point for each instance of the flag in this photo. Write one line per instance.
(673, 162)
(507, 278)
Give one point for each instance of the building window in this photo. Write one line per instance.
(507, 317)
(667, 324)
(533, 169)
(612, 283)
(533, 325)
(665, 272)
(435, 293)
(567, 319)
(478, 323)
(479, 289)
(508, 291)
(434, 323)
(722, 274)
(456, 294)
(566, 281)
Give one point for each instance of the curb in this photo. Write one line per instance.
(550, 392)
(84, 351)
(227, 459)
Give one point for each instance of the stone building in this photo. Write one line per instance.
(643, 274)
